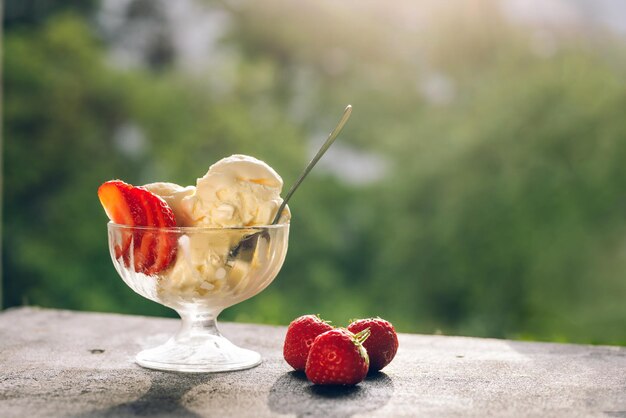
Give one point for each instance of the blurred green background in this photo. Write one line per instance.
(479, 188)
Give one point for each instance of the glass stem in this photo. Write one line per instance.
(197, 326)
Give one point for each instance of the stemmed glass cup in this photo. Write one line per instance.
(199, 277)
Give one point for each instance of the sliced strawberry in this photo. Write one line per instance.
(120, 204)
(153, 250)
(166, 242)
(122, 207)
(143, 251)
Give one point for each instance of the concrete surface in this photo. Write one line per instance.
(61, 363)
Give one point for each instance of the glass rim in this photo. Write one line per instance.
(197, 228)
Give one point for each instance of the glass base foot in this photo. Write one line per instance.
(212, 353)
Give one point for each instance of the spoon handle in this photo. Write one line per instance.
(331, 138)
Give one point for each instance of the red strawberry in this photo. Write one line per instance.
(143, 241)
(382, 344)
(166, 243)
(153, 250)
(300, 335)
(122, 207)
(337, 357)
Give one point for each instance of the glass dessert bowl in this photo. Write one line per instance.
(198, 272)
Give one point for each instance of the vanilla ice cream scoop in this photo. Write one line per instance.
(236, 191)
(237, 202)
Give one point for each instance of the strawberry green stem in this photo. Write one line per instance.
(362, 336)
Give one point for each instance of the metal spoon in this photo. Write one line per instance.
(246, 247)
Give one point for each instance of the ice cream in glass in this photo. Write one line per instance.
(198, 250)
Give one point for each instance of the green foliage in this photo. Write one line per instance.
(501, 214)
(59, 116)
(519, 227)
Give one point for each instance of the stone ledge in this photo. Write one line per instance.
(63, 363)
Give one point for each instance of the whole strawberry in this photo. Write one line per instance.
(337, 357)
(300, 336)
(381, 345)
